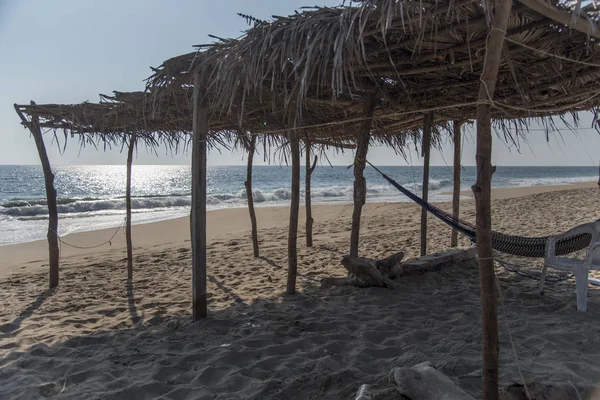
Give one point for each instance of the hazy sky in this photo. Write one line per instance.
(69, 51)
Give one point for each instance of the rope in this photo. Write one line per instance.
(425, 110)
(552, 54)
(62, 241)
(512, 343)
(546, 110)
(360, 119)
(512, 268)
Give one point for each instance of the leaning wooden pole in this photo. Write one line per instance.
(53, 250)
(128, 207)
(249, 196)
(456, 189)
(426, 150)
(294, 209)
(482, 192)
(360, 159)
(307, 196)
(198, 218)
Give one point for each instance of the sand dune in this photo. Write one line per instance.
(93, 338)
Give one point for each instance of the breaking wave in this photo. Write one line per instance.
(37, 208)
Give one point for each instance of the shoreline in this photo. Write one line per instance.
(465, 194)
(221, 223)
(520, 191)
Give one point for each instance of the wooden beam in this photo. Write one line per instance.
(249, 196)
(424, 70)
(426, 149)
(482, 192)
(470, 24)
(53, 250)
(128, 207)
(294, 210)
(474, 45)
(200, 130)
(328, 143)
(307, 197)
(562, 17)
(360, 159)
(441, 54)
(456, 189)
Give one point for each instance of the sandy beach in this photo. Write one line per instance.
(93, 338)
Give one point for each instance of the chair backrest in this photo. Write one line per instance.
(592, 228)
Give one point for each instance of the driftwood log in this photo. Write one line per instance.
(423, 382)
(365, 272)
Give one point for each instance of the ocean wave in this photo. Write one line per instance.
(434, 184)
(29, 209)
(550, 181)
(42, 202)
(39, 207)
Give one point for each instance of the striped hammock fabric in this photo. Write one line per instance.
(510, 244)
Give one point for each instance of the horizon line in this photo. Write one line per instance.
(285, 165)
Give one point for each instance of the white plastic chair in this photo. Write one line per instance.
(578, 267)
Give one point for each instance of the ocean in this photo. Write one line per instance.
(92, 196)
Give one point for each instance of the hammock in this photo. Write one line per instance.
(510, 244)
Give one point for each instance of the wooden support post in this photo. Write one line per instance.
(248, 185)
(36, 132)
(309, 219)
(294, 209)
(360, 159)
(426, 150)
(482, 192)
(456, 190)
(128, 206)
(198, 217)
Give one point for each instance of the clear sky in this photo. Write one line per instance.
(69, 51)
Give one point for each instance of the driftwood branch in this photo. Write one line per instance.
(365, 272)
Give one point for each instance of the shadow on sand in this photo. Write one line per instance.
(14, 325)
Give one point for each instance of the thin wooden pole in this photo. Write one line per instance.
(294, 209)
(248, 185)
(482, 192)
(36, 132)
(456, 190)
(128, 206)
(198, 217)
(307, 196)
(360, 159)
(426, 149)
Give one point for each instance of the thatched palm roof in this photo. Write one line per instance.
(416, 55)
(115, 118)
(311, 72)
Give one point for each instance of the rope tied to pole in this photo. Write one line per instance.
(109, 241)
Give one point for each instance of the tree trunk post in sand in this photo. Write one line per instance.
(426, 151)
(292, 135)
(307, 200)
(128, 207)
(360, 159)
(248, 184)
(456, 189)
(198, 217)
(482, 192)
(53, 250)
